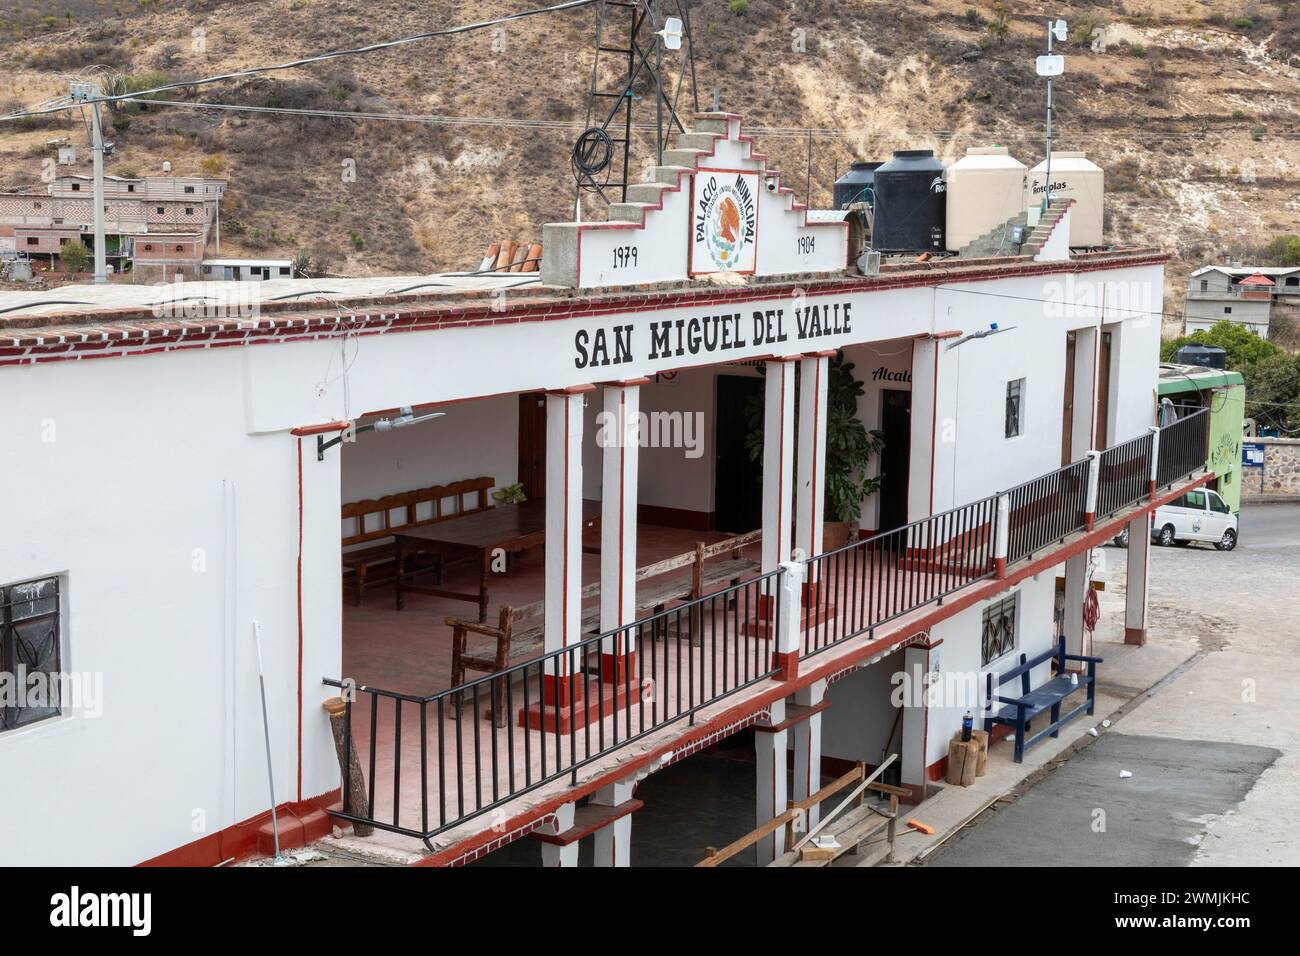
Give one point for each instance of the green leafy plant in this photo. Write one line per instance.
(850, 445)
(510, 495)
(74, 256)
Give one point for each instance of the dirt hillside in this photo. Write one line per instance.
(1191, 106)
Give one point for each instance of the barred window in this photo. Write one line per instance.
(29, 652)
(998, 631)
(1015, 395)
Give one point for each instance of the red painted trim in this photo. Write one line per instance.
(117, 333)
(300, 641)
(744, 713)
(238, 841)
(934, 427)
(320, 429)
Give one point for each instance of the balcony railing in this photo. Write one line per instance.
(867, 583)
(553, 715)
(1124, 474)
(1043, 511)
(1184, 447)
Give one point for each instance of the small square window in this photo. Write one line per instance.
(159, 210)
(1015, 412)
(1227, 310)
(130, 187)
(998, 629)
(189, 210)
(33, 241)
(63, 242)
(1205, 285)
(76, 187)
(30, 642)
(148, 247)
(180, 248)
(189, 189)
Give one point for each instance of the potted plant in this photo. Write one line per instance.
(510, 494)
(850, 446)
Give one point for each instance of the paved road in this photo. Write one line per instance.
(1215, 752)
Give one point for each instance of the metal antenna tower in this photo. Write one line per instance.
(602, 155)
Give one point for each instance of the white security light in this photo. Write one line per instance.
(1051, 65)
(671, 34)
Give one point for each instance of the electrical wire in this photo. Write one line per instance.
(320, 57)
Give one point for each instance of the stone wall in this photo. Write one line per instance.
(1279, 479)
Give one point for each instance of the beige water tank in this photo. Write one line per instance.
(1075, 177)
(986, 187)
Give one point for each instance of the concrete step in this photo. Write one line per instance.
(628, 211)
(710, 123)
(668, 175)
(646, 192)
(682, 157)
(697, 140)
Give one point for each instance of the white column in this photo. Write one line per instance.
(808, 748)
(553, 855)
(614, 842)
(1076, 587)
(771, 790)
(913, 743)
(778, 461)
(1138, 572)
(563, 528)
(811, 488)
(619, 436)
(770, 749)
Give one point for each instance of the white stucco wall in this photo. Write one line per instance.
(173, 530)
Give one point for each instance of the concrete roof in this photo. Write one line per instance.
(1248, 270)
(1175, 378)
(88, 299)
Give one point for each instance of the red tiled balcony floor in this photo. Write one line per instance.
(480, 763)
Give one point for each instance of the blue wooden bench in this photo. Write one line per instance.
(1019, 711)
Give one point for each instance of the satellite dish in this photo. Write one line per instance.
(1051, 65)
(671, 34)
(1059, 30)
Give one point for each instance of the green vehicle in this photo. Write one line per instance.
(1224, 394)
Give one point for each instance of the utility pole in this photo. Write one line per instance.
(1050, 66)
(87, 93)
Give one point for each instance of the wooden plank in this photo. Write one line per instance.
(794, 714)
(587, 819)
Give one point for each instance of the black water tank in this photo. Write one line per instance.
(855, 185)
(1206, 356)
(910, 203)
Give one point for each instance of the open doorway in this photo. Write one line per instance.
(896, 424)
(532, 445)
(738, 481)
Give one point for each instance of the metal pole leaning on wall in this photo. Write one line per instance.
(266, 731)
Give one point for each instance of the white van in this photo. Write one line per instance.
(1199, 515)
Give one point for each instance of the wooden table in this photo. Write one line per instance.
(505, 529)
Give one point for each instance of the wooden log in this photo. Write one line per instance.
(349, 767)
(963, 757)
(982, 738)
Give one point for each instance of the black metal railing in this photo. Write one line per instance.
(855, 588)
(1124, 475)
(1043, 511)
(552, 715)
(1184, 447)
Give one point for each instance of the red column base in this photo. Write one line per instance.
(1000, 567)
(1136, 636)
(567, 715)
(786, 665)
(618, 667)
(1089, 521)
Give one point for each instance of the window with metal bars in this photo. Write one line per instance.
(998, 629)
(29, 652)
(1015, 397)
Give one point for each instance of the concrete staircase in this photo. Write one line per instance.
(996, 242)
(1034, 242)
